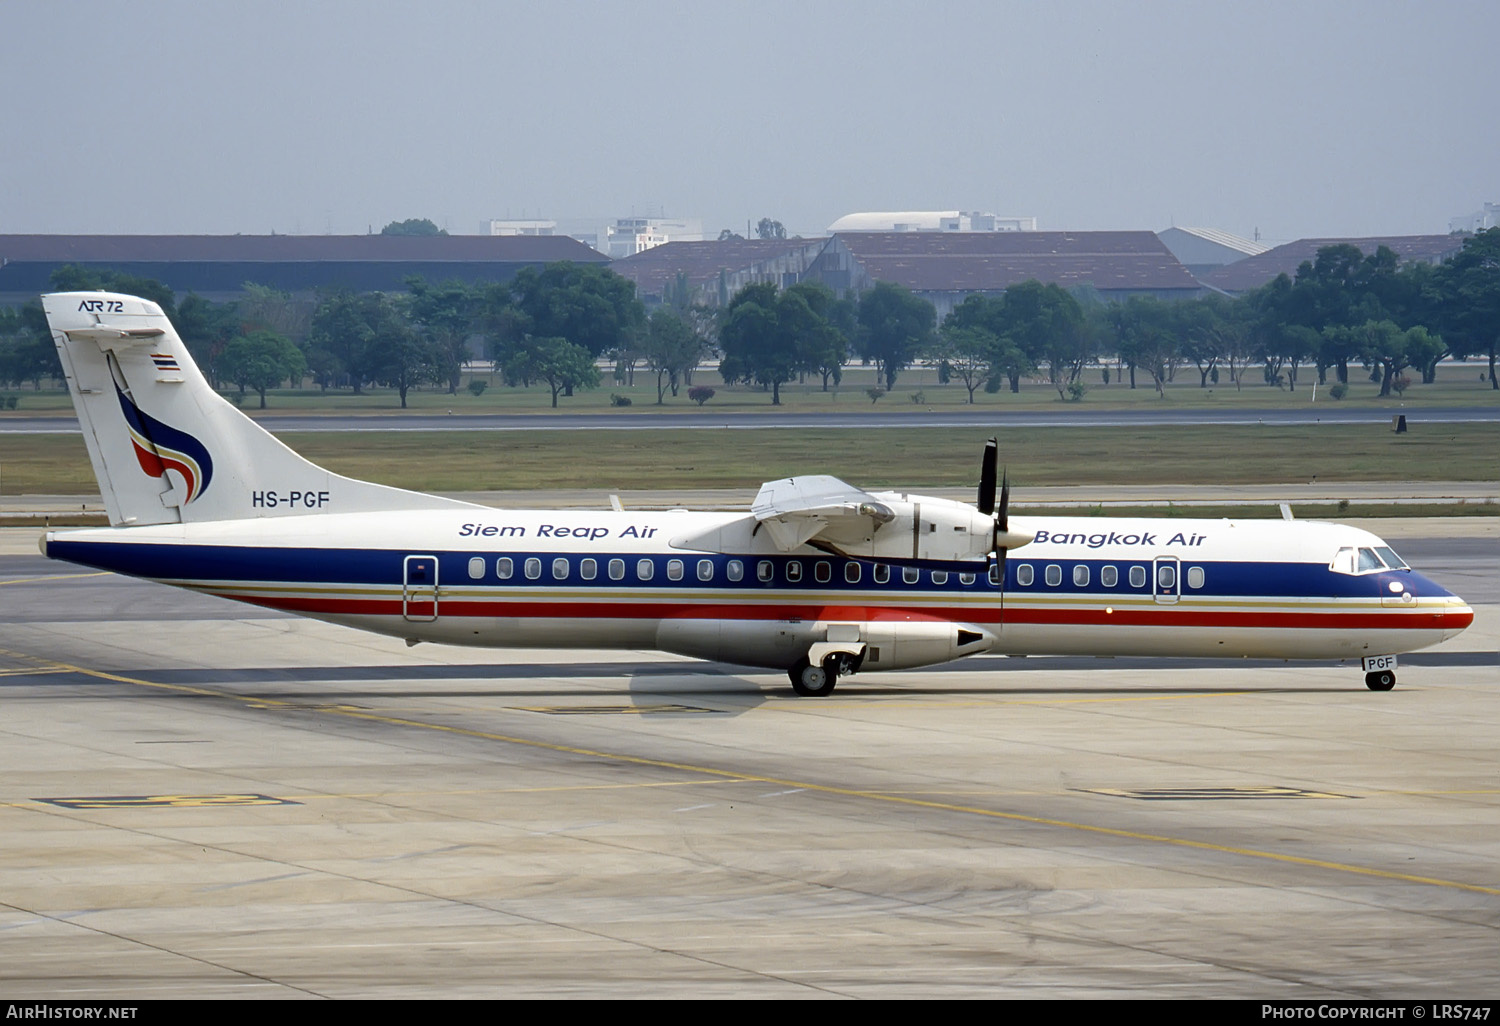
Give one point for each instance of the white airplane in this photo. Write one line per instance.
(820, 578)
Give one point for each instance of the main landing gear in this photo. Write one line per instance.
(1380, 680)
(817, 680)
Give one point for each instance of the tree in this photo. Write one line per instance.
(586, 304)
(1144, 337)
(206, 329)
(338, 340)
(443, 315)
(670, 346)
(1392, 350)
(1468, 284)
(1048, 325)
(413, 226)
(26, 349)
(755, 347)
(968, 354)
(821, 327)
(987, 313)
(895, 328)
(397, 354)
(558, 362)
(275, 310)
(766, 228)
(260, 361)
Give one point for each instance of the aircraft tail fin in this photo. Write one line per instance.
(167, 448)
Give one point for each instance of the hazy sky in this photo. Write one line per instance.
(211, 116)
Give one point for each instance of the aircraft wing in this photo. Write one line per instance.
(796, 510)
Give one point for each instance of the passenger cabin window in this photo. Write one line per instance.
(822, 571)
(504, 567)
(940, 577)
(1137, 577)
(476, 567)
(910, 575)
(1109, 576)
(1054, 575)
(735, 570)
(882, 574)
(588, 569)
(560, 568)
(1080, 576)
(674, 569)
(533, 568)
(851, 573)
(994, 575)
(705, 569)
(1166, 576)
(616, 569)
(794, 570)
(1195, 577)
(644, 569)
(1025, 575)
(965, 579)
(763, 571)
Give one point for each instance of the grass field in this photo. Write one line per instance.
(890, 457)
(1457, 384)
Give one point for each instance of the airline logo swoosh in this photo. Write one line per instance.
(160, 448)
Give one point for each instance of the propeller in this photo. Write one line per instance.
(986, 503)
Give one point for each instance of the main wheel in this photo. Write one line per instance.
(813, 681)
(1380, 680)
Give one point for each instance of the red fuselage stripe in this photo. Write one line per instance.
(1174, 615)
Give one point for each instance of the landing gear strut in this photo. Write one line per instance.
(1380, 680)
(818, 681)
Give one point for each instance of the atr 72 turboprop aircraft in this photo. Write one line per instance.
(820, 578)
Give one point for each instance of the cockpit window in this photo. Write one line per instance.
(1369, 559)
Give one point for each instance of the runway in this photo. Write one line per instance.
(771, 417)
(201, 799)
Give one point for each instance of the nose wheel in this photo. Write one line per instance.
(815, 680)
(1380, 680)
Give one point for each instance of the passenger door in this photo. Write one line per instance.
(419, 588)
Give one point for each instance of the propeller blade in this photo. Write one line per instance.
(986, 502)
(1002, 517)
(1002, 525)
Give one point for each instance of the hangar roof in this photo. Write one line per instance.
(991, 261)
(136, 249)
(1255, 271)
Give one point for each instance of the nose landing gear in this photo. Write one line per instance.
(1380, 680)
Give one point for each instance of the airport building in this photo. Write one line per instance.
(930, 221)
(713, 271)
(631, 235)
(947, 267)
(217, 266)
(1202, 250)
(1488, 217)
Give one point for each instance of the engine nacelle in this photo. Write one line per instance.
(888, 644)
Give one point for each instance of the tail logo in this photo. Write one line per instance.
(160, 448)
